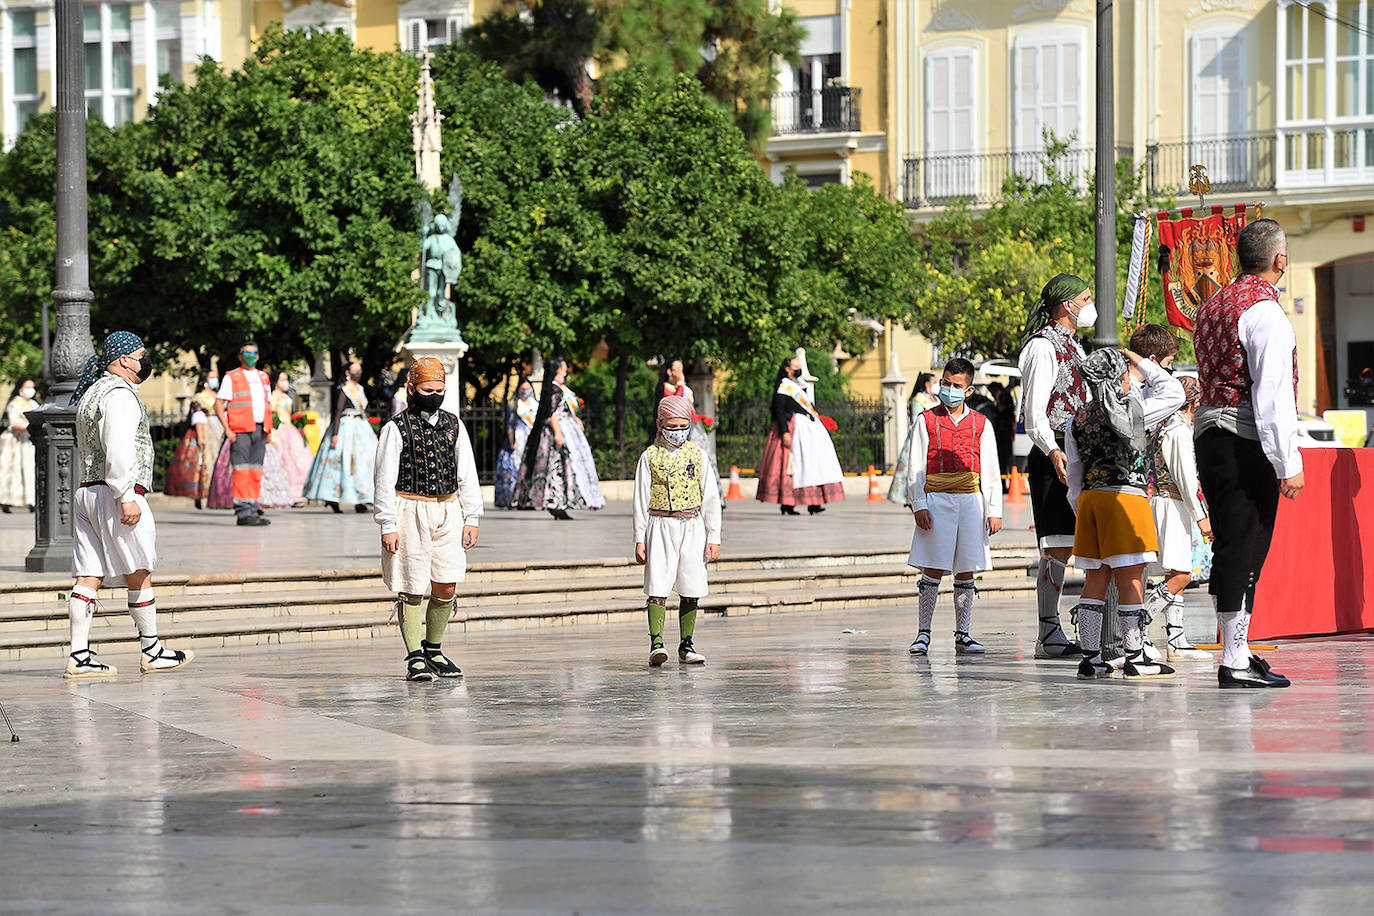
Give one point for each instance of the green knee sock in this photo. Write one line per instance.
(412, 622)
(687, 617)
(436, 619)
(658, 613)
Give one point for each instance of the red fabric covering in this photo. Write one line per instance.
(775, 485)
(1319, 578)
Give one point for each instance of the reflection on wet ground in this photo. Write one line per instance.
(802, 768)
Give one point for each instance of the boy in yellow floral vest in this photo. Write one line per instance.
(677, 526)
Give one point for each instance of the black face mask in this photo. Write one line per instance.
(796, 373)
(428, 403)
(145, 367)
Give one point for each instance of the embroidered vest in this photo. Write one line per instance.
(953, 446)
(1108, 460)
(429, 465)
(1223, 368)
(675, 478)
(91, 450)
(239, 410)
(1070, 391)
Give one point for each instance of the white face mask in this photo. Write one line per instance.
(1087, 316)
(674, 437)
(28, 392)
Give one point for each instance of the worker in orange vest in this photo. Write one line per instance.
(243, 405)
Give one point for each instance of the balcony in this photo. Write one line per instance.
(1292, 159)
(832, 110)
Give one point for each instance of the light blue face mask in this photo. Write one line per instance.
(952, 397)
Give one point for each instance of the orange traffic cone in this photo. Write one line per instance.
(734, 491)
(1017, 491)
(873, 495)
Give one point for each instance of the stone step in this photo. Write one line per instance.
(286, 602)
(372, 619)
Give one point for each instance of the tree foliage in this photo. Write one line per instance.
(978, 278)
(729, 46)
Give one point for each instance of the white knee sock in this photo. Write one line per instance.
(964, 593)
(1132, 638)
(80, 608)
(1235, 638)
(928, 592)
(143, 609)
(1048, 585)
(1173, 623)
(1090, 626)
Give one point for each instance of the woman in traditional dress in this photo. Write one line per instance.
(17, 456)
(519, 422)
(183, 474)
(915, 405)
(288, 441)
(799, 467)
(558, 473)
(210, 440)
(672, 380)
(342, 471)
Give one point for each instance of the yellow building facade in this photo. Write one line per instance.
(1275, 97)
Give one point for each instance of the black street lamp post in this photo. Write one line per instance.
(53, 426)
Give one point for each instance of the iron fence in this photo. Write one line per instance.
(833, 109)
(1234, 165)
(742, 432)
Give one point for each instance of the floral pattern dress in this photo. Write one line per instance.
(520, 420)
(343, 473)
(561, 478)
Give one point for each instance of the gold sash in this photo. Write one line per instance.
(953, 482)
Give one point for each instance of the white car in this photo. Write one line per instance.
(1314, 432)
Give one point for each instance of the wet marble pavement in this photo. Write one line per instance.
(804, 768)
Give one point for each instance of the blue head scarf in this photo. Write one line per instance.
(120, 343)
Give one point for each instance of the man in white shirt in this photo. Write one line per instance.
(243, 405)
(113, 531)
(1052, 391)
(1246, 431)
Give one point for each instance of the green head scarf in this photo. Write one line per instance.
(1060, 289)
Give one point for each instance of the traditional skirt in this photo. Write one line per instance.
(343, 473)
(775, 475)
(183, 474)
(560, 478)
(295, 456)
(508, 468)
(16, 469)
(1114, 529)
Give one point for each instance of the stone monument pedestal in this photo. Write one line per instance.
(450, 353)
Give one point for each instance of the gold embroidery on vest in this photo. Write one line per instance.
(675, 478)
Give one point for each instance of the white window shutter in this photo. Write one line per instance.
(455, 29)
(415, 35)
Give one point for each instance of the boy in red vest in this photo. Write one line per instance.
(243, 404)
(956, 493)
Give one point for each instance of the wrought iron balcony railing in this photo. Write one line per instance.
(1235, 165)
(834, 109)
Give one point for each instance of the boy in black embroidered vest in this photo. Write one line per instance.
(427, 500)
(1115, 533)
(677, 526)
(955, 488)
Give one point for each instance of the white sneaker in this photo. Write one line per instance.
(158, 658)
(687, 653)
(83, 664)
(657, 654)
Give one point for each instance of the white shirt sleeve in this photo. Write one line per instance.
(469, 484)
(388, 465)
(197, 417)
(1269, 344)
(1075, 469)
(710, 501)
(991, 473)
(1162, 395)
(641, 500)
(916, 466)
(1037, 364)
(1181, 460)
(225, 391)
(118, 423)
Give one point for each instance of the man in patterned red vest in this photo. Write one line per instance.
(1052, 391)
(1246, 437)
(244, 405)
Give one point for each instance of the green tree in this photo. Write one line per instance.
(978, 278)
(524, 232)
(729, 46)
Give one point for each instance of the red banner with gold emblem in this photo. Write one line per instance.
(1197, 257)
